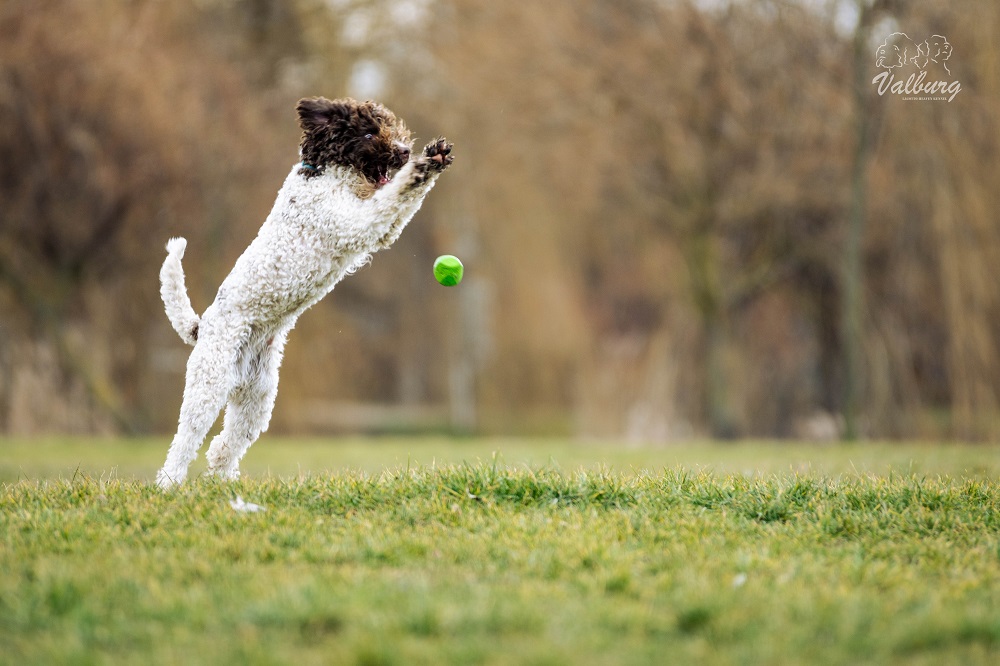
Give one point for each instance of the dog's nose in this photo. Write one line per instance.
(403, 150)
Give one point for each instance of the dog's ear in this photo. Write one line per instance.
(319, 112)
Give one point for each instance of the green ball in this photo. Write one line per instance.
(448, 270)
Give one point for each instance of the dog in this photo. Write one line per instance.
(352, 194)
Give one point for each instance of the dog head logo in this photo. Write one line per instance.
(934, 50)
(896, 51)
(927, 62)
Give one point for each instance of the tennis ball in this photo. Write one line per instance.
(448, 270)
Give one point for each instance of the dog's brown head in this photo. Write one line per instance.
(365, 136)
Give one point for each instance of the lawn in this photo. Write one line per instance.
(546, 552)
(62, 457)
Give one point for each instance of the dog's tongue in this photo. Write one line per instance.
(382, 180)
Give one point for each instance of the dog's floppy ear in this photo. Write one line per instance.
(319, 112)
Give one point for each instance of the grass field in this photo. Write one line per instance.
(441, 551)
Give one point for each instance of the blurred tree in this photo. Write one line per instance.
(527, 154)
(746, 196)
(932, 334)
(654, 201)
(100, 137)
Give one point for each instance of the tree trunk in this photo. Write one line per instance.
(853, 279)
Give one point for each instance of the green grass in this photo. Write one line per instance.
(64, 457)
(756, 554)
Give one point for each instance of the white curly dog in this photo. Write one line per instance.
(353, 193)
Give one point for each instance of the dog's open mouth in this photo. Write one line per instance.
(384, 173)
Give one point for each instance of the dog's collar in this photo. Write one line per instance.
(308, 166)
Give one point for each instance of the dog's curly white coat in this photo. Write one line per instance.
(319, 231)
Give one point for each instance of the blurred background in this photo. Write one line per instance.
(678, 218)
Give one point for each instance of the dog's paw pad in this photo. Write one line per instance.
(436, 158)
(438, 154)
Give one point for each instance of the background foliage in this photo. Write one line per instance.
(657, 204)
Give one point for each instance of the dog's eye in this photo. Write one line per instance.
(368, 136)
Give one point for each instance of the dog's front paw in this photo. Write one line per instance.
(438, 154)
(436, 158)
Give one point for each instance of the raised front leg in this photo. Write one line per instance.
(436, 158)
(416, 176)
(402, 197)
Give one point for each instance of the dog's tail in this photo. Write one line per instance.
(174, 293)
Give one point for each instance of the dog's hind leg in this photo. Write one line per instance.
(207, 385)
(248, 411)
